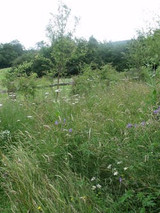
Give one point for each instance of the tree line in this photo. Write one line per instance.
(41, 60)
(67, 55)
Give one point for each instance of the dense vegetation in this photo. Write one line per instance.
(90, 147)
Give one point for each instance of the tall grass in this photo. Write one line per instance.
(95, 152)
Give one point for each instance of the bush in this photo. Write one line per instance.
(91, 77)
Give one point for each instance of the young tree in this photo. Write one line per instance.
(61, 35)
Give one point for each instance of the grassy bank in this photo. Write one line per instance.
(97, 152)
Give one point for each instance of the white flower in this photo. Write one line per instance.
(109, 166)
(99, 186)
(119, 162)
(93, 187)
(1, 105)
(18, 120)
(57, 90)
(115, 173)
(125, 168)
(47, 93)
(29, 116)
(93, 178)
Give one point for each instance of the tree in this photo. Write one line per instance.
(9, 52)
(61, 39)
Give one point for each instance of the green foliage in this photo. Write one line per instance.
(27, 85)
(9, 52)
(41, 65)
(91, 77)
(23, 69)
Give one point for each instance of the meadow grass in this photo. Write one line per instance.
(91, 152)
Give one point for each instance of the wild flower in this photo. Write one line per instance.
(4, 134)
(18, 120)
(125, 168)
(129, 125)
(56, 122)
(46, 93)
(115, 173)
(83, 198)
(109, 166)
(29, 116)
(120, 180)
(57, 90)
(143, 123)
(93, 187)
(93, 178)
(98, 186)
(70, 130)
(119, 162)
(156, 111)
(64, 120)
(1, 105)
(39, 208)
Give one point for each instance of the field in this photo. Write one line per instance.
(95, 151)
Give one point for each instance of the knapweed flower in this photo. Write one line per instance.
(98, 186)
(56, 122)
(70, 130)
(129, 125)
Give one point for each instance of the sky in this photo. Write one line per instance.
(106, 20)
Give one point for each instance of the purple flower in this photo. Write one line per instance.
(64, 120)
(156, 111)
(56, 122)
(129, 125)
(120, 180)
(70, 130)
(143, 123)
